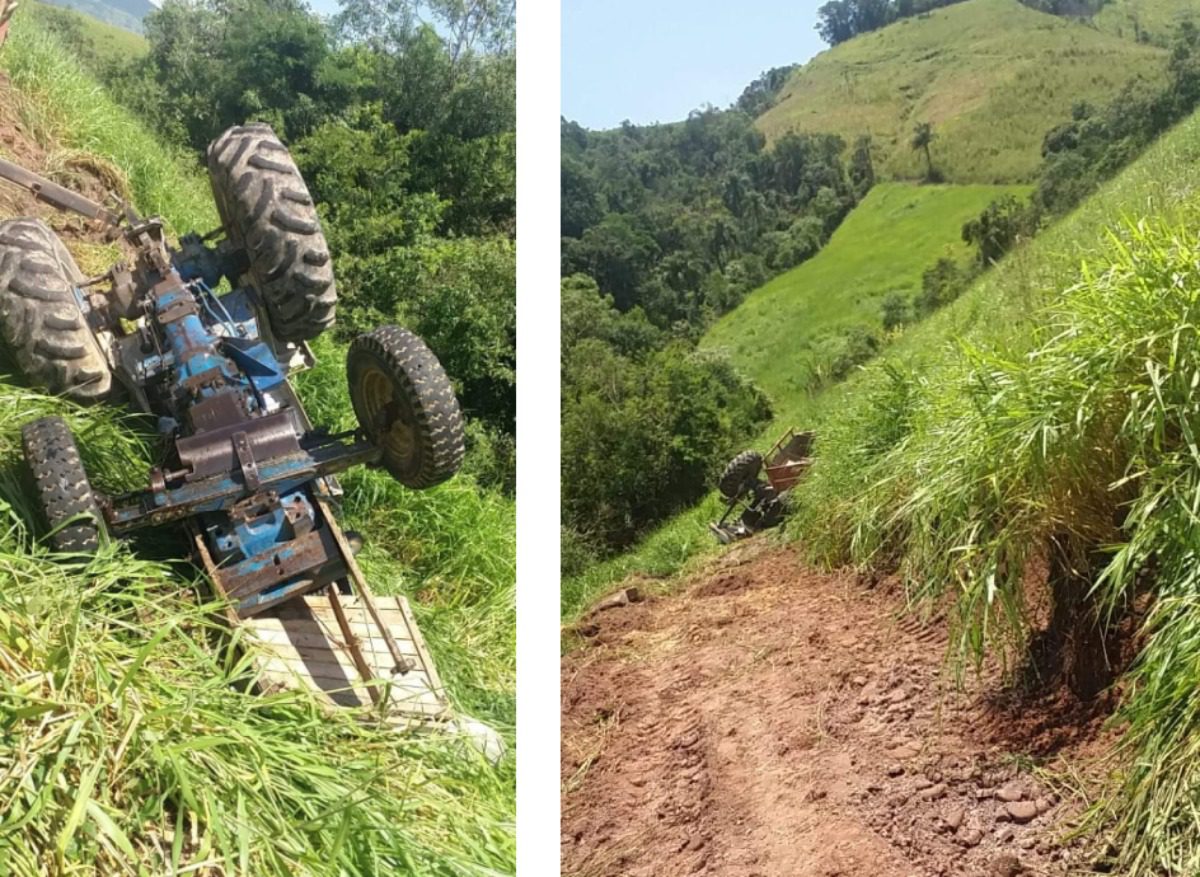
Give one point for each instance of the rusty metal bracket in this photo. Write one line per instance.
(245, 456)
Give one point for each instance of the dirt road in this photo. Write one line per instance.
(770, 721)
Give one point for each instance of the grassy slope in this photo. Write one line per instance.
(842, 512)
(1156, 19)
(426, 803)
(991, 75)
(108, 41)
(999, 305)
(783, 331)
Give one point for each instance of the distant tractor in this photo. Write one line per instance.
(242, 470)
(763, 502)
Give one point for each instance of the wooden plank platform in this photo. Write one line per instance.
(301, 643)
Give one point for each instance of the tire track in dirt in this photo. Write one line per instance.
(775, 721)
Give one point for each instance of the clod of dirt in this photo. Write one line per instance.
(623, 597)
(1021, 812)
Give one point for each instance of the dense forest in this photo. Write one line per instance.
(401, 116)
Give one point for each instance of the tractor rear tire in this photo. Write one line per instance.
(406, 405)
(267, 211)
(64, 495)
(739, 475)
(41, 321)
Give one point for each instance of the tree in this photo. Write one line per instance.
(922, 138)
(835, 21)
(895, 311)
(862, 167)
(998, 228)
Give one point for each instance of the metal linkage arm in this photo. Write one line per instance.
(55, 195)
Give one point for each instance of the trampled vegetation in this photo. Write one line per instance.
(129, 742)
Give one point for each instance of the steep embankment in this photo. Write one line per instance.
(789, 331)
(785, 334)
(128, 740)
(992, 76)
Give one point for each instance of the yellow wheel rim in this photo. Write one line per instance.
(387, 416)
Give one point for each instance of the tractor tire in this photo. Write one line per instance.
(41, 321)
(406, 405)
(267, 211)
(64, 495)
(740, 474)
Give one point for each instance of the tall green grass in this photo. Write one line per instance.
(63, 108)
(128, 741)
(1086, 443)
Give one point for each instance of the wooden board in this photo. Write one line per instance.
(301, 643)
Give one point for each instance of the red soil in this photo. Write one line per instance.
(771, 721)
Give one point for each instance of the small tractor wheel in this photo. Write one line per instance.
(406, 406)
(739, 475)
(41, 321)
(64, 495)
(267, 211)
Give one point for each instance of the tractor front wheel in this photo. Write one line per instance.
(406, 405)
(64, 495)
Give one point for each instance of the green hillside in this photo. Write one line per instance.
(963, 460)
(107, 41)
(991, 75)
(1151, 20)
(786, 331)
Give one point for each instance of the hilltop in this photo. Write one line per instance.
(991, 75)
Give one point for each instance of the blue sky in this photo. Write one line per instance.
(657, 60)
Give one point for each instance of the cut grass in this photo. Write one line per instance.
(992, 76)
(62, 107)
(787, 331)
(128, 741)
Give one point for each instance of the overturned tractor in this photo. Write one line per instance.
(762, 502)
(242, 468)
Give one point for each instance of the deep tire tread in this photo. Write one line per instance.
(61, 486)
(40, 319)
(267, 210)
(740, 474)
